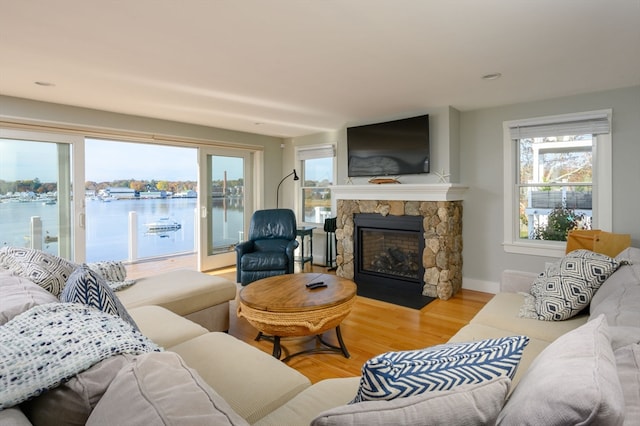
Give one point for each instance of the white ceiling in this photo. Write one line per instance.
(295, 67)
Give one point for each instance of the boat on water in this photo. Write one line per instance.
(163, 225)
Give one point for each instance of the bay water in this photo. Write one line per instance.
(107, 226)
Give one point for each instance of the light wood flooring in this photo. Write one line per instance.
(372, 327)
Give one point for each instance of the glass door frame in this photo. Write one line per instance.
(252, 167)
(70, 182)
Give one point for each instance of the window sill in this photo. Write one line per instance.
(556, 250)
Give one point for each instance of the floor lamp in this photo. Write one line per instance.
(295, 177)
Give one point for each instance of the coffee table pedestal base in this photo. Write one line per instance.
(322, 346)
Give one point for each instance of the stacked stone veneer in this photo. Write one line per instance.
(442, 256)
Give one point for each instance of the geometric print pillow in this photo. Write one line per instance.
(89, 288)
(113, 272)
(443, 367)
(567, 288)
(48, 271)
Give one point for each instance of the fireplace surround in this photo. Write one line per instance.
(440, 208)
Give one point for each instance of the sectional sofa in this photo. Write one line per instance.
(584, 370)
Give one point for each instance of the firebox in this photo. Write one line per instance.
(388, 255)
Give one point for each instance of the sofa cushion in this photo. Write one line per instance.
(160, 389)
(13, 417)
(163, 327)
(305, 406)
(89, 288)
(477, 404)
(573, 381)
(502, 312)
(48, 271)
(628, 366)
(408, 373)
(253, 382)
(565, 289)
(181, 291)
(19, 294)
(619, 297)
(73, 401)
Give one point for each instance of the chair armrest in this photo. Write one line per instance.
(516, 281)
(291, 246)
(241, 250)
(244, 247)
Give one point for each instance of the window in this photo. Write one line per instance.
(318, 173)
(557, 178)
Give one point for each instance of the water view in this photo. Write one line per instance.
(165, 226)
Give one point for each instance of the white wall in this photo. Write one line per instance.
(481, 169)
(469, 146)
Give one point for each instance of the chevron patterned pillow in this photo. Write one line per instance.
(566, 289)
(407, 373)
(89, 288)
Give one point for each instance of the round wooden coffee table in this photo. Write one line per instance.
(283, 306)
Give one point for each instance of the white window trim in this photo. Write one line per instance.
(602, 186)
(308, 152)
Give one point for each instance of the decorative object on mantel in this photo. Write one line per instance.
(442, 176)
(379, 181)
(348, 181)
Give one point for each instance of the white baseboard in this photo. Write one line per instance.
(480, 285)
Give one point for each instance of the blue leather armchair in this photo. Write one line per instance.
(269, 248)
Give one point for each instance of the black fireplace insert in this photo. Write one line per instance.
(388, 258)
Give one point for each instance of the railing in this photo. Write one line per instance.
(37, 240)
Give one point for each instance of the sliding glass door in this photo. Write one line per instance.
(39, 206)
(223, 201)
(144, 200)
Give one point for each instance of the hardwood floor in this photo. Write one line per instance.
(372, 327)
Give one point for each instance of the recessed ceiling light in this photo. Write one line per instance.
(45, 83)
(492, 76)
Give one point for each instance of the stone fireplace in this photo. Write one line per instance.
(438, 207)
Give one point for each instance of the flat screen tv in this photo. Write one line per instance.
(399, 147)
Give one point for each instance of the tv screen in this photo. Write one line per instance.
(399, 147)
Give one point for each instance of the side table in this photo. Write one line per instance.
(305, 232)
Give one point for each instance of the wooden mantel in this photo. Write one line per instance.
(399, 192)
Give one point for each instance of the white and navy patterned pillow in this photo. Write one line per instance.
(89, 288)
(113, 272)
(563, 291)
(400, 374)
(48, 271)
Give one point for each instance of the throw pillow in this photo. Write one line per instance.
(477, 404)
(572, 381)
(89, 288)
(73, 401)
(114, 273)
(18, 295)
(443, 367)
(159, 389)
(563, 291)
(48, 271)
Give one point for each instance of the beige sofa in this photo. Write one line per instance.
(249, 386)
